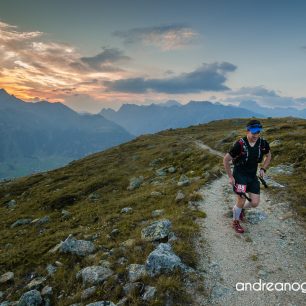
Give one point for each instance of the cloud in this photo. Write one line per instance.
(166, 37)
(105, 59)
(264, 97)
(208, 77)
(255, 91)
(33, 67)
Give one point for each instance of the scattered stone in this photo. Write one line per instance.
(6, 277)
(156, 161)
(149, 293)
(43, 220)
(179, 196)
(78, 247)
(89, 292)
(129, 288)
(126, 209)
(114, 232)
(156, 231)
(136, 272)
(94, 275)
(47, 291)
(94, 197)
(36, 283)
(30, 298)
(255, 216)
(135, 182)
(59, 264)
(163, 260)
(157, 212)
(183, 181)
(272, 183)
(11, 204)
(104, 263)
(281, 169)
(21, 222)
(156, 194)
(161, 172)
(275, 143)
(122, 302)
(65, 214)
(171, 169)
(128, 243)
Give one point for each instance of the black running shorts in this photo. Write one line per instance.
(246, 183)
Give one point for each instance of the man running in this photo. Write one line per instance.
(246, 153)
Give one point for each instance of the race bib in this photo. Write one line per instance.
(240, 188)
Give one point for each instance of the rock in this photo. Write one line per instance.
(183, 181)
(47, 291)
(123, 302)
(11, 204)
(104, 263)
(114, 232)
(30, 298)
(171, 169)
(281, 169)
(255, 216)
(6, 277)
(128, 243)
(126, 210)
(136, 272)
(272, 183)
(163, 260)
(51, 269)
(156, 161)
(78, 247)
(179, 196)
(89, 292)
(135, 182)
(156, 194)
(43, 220)
(149, 293)
(161, 172)
(102, 303)
(36, 283)
(21, 222)
(275, 143)
(59, 264)
(94, 197)
(122, 261)
(65, 214)
(94, 275)
(157, 212)
(129, 288)
(156, 231)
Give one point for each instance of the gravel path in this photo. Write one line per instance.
(272, 249)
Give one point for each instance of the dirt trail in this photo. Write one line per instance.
(272, 249)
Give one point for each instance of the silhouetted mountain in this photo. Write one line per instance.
(153, 118)
(273, 112)
(43, 135)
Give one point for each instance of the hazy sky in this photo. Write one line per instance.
(94, 54)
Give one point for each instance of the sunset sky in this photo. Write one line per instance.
(95, 54)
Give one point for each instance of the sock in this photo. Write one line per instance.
(236, 212)
(247, 205)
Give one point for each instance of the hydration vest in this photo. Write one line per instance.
(242, 158)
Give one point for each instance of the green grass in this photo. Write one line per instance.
(107, 175)
(24, 249)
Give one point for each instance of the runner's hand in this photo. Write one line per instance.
(261, 173)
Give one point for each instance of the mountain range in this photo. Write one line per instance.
(43, 135)
(153, 118)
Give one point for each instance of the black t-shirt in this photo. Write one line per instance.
(250, 168)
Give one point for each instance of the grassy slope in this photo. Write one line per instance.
(107, 174)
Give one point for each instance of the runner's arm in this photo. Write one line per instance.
(226, 162)
(267, 161)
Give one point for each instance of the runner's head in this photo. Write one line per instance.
(254, 128)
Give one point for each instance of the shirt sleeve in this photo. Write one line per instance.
(267, 147)
(235, 150)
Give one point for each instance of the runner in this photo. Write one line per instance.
(246, 153)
